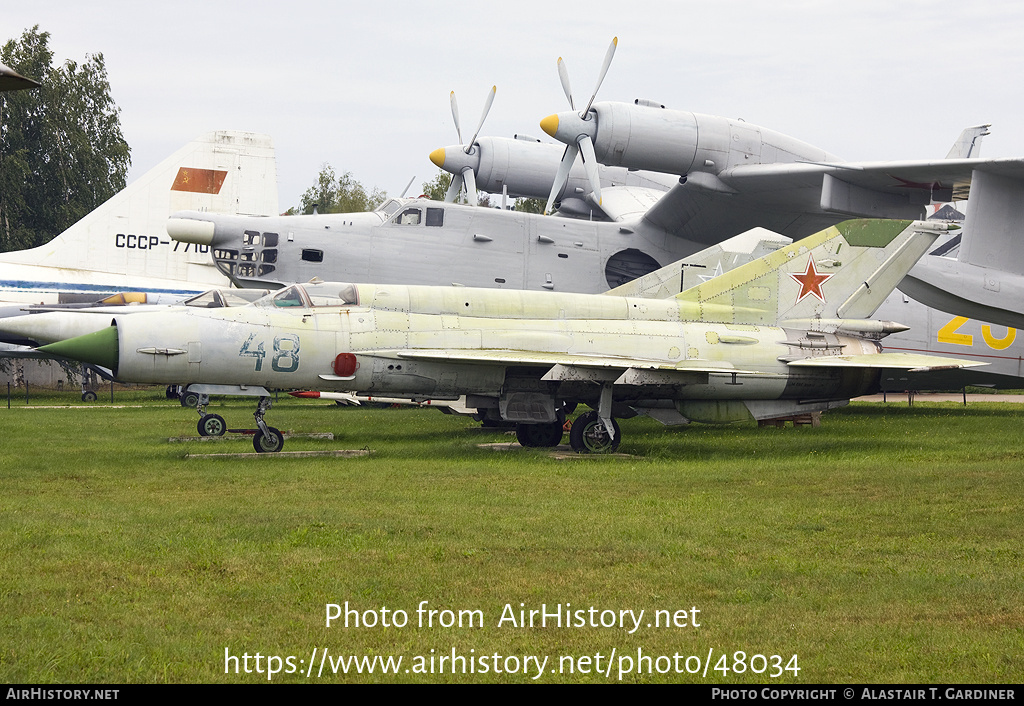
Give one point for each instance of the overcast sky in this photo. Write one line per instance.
(366, 88)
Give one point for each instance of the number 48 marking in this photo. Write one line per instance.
(286, 353)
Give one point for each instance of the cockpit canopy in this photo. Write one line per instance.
(218, 298)
(310, 295)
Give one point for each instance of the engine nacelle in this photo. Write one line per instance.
(681, 142)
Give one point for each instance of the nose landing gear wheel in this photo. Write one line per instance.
(272, 442)
(212, 425)
(589, 435)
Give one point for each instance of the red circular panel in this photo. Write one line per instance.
(345, 365)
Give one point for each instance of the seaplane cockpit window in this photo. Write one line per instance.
(389, 207)
(435, 217)
(409, 217)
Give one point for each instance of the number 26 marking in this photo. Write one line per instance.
(950, 333)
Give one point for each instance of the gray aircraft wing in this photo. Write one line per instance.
(895, 179)
(799, 198)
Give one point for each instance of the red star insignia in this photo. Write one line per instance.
(810, 281)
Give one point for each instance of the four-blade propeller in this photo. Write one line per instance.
(576, 130)
(463, 163)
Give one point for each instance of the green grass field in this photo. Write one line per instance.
(884, 546)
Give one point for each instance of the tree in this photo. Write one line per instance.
(436, 188)
(62, 153)
(525, 205)
(339, 194)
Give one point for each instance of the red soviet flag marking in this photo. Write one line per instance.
(810, 281)
(199, 181)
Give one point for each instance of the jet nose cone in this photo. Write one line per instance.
(550, 125)
(99, 348)
(437, 157)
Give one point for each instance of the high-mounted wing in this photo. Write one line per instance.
(801, 198)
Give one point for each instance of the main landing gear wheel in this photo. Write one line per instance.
(539, 435)
(88, 396)
(271, 442)
(589, 435)
(189, 399)
(211, 425)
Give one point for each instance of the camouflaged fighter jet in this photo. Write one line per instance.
(785, 334)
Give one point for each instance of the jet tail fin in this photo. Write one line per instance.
(843, 272)
(224, 172)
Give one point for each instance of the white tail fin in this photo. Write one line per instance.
(124, 243)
